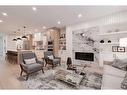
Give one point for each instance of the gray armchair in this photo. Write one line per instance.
(55, 61)
(30, 68)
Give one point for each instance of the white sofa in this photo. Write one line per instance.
(112, 77)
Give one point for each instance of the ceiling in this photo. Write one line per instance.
(19, 16)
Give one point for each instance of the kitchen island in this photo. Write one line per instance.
(14, 56)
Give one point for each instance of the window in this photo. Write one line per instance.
(123, 42)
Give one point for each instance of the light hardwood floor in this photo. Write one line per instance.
(8, 75)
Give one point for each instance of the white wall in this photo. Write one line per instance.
(10, 44)
(38, 36)
(116, 18)
(69, 41)
(2, 43)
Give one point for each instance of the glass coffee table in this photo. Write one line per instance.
(70, 78)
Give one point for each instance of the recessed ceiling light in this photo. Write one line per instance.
(34, 8)
(79, 15)
(59, 22)
(44, 27)
(4, 14)
(1, 20)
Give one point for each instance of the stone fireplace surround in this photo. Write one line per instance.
(85, 40)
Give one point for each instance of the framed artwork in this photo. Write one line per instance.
(121, 49)
(118, 49)
(114, 48)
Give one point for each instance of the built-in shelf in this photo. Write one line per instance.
(50, 46)
(62, 45)
(114, 33)
(114, 43)
(62, 39)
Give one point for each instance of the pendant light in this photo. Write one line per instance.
(24, 33)
(14, 35)
(24, 37)
(19, 39)
(14, 39)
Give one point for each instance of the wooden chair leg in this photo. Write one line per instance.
(42, 70)
(27, 77)
(45, 64)
(52, 65)
(21, 72)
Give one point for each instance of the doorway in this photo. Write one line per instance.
(1, 46)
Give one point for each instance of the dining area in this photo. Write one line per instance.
(12, 57)
(15, 56)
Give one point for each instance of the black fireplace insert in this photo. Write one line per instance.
(86, 56)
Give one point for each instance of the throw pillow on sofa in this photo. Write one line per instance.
(51, 57)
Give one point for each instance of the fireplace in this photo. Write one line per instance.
(86, 56)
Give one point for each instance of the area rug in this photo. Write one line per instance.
(93, 80)
(47, 81)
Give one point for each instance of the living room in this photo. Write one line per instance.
(73, 48)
